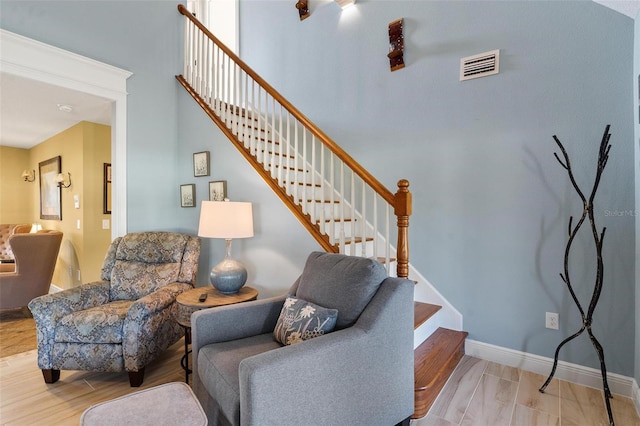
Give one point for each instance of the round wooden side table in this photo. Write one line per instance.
(188, 303)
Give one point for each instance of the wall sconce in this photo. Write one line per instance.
(303, 9)
(62, 180)
(396, 45)
(345, 3)
(29, 176)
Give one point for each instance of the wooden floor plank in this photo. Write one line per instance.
(25, 399)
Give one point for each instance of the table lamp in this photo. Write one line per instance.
(228, 220)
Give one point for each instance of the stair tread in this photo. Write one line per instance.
(435, 354)
(357, 240)
(422, 312)
(337, 219)
(318, 201)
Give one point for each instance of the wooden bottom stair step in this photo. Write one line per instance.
(434, 361)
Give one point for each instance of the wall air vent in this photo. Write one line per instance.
(480, 65)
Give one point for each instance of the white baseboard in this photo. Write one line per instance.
(54, 288)
(586, 376)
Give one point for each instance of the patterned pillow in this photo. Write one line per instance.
(301, 320)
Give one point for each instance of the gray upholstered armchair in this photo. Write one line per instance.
(361, 373)
(127, 319)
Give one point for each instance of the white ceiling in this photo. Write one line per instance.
(29, 112)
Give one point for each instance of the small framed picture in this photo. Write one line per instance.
(188, 195)
(201, 164)
(218, 190)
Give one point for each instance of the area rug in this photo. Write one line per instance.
(168, 404)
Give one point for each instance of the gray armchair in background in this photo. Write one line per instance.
(361, 373)
(127, 319)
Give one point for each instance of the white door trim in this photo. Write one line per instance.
(38, 61)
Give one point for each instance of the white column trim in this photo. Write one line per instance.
(41, 62)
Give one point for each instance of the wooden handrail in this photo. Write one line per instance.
(326, 140)
(401, 201)
(287, 199)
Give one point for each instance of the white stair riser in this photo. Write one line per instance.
(425, 330)
(338, 228)
(328, 210)
(356, 249)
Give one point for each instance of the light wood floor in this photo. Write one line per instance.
(485, 393)
(17, 332)
(25, 399)
(479, 392)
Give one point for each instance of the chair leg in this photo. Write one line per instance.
(50, 375)
(136, 378)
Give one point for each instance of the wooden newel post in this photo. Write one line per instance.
(402, 210)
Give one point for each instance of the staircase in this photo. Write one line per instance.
(434, 359)
(339, 202)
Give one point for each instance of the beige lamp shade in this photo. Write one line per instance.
(226, 219)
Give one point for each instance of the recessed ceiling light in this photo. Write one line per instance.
(65, 108)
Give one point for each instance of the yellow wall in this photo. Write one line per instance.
(83, 148)
(16, 203)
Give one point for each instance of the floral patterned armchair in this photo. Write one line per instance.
(124, 321)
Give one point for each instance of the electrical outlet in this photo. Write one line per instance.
(552, 320)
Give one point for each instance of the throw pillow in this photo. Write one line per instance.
(301, 320)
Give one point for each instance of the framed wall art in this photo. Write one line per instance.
(106, 209)
(201, 164)
(188, 195)
(50, 191)
(218, 190)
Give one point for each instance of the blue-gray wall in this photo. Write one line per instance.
(144, 37)
(491, 204)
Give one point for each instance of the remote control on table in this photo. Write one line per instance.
(202, 297)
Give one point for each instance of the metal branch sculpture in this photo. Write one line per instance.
(603, 157)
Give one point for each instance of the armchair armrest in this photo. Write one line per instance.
(328, 370)
(142, 333)
(155, 302)
(47, 310)
(235, 321)
(232, 322)
(52, 307)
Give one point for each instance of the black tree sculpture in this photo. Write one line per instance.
(603, 157)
